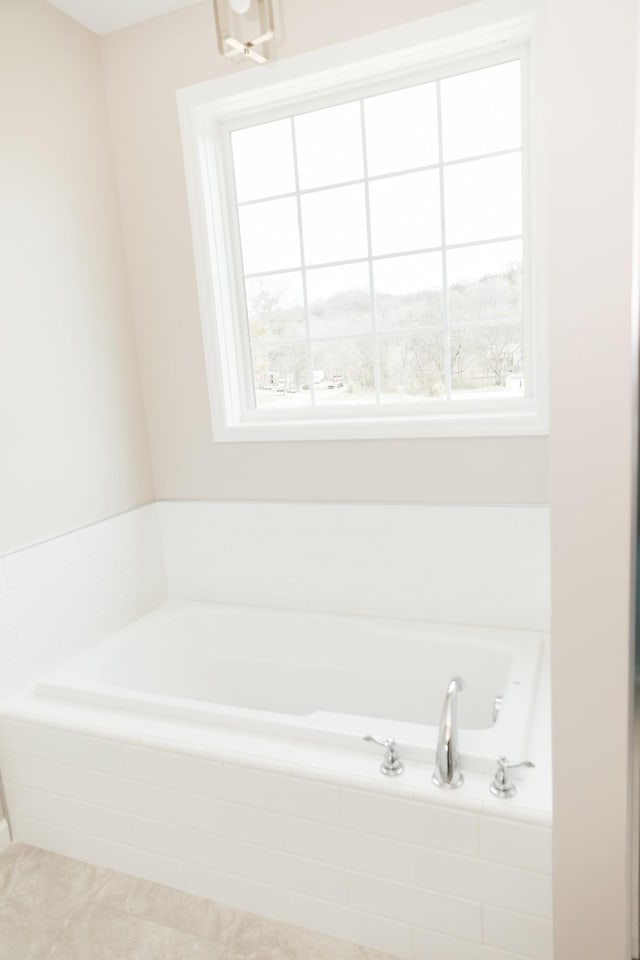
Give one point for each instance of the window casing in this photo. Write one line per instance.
(357, 322)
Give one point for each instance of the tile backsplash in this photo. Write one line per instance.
(474, 565)
(457, 564)
(60, 596)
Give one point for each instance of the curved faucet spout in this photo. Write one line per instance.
(447, 773)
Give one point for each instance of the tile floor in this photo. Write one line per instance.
(54, 907)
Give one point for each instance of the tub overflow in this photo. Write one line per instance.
(391, 765)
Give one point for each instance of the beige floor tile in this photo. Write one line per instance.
(39, 892)
(100, 932)
(260, 939)
(173, 908)
(55, 908)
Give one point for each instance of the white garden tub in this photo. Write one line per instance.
(321, 677)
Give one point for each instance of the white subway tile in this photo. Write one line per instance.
(179, 771)
(346, 848)
(68, 812)
(333, 919)
(119, 536)
(270, 866)
(130, 796)
(40, 833)
(230, 820)
(207, 850)
(308, 799)
(395, 560)
(428, 945)
(92, 849)
(18, 737)
(517, 844)
(94, 753)
(524, 935)
(409, 904)
(29, 771)
(417, 822)
(41, 559)
(164, 839)
(480, 880)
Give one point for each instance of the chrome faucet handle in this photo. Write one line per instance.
(391, 765)
(501, 786)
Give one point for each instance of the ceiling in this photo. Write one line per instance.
(105, 16)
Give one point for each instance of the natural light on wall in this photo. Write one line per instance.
(372, 271)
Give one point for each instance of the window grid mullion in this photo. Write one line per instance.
(394, 332)
(511, 238)
(376, 357)
(407, 171)
(443, 243)
(305, 297)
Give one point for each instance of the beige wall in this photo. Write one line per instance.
(144, 66)
(72, 434)
(591, 75)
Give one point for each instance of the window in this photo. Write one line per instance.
(371, 255)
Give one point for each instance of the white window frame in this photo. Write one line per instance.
(478, 35)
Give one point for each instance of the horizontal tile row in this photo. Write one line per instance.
(480, 565)
(495, 521)
(406, 921)
(416, 868)
(147, 780)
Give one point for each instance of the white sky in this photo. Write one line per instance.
(480, 114)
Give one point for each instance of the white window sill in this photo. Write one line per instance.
(387, 428)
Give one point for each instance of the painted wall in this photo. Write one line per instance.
(72, 433)
(593, 322)
(144, 66)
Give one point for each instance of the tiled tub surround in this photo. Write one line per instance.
(307, 834)
(481, 565)
(58, 597)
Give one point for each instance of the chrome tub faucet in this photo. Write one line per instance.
(447, 773)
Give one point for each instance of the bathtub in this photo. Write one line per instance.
(321, 678)
(218, 750)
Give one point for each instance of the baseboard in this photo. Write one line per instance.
(5, 836)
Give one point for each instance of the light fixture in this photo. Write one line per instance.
(244, 28)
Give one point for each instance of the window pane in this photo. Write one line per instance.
(339, 300)
(263, 160)
(408, 291)
(281, 375)
(329, 146)
(485, 283)
(343, 371)
(275, 307)
(481, 111)
(487, 361)
(483, 199)
(412, 366)
(402, 130)
(334, 225)
(270, 236)
(405, 212)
